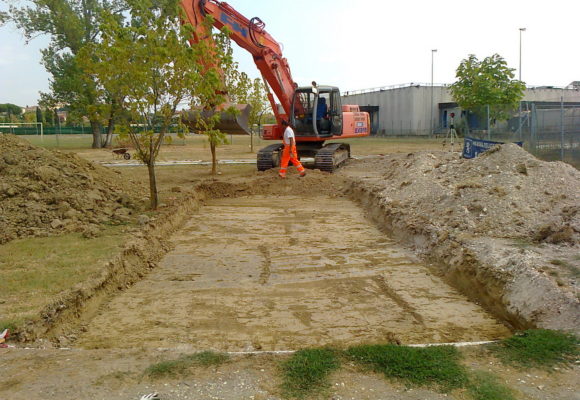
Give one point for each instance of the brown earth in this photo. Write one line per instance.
(119, 374)
(45, 192)
(503, 227)
(282, 272)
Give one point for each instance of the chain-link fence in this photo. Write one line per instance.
(549, 130)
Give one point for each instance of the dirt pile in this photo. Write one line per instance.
(503, 227)
(45, 192)
(268, 183)
(505, 193)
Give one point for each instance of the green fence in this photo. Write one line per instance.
(35, 130)
(63, 130)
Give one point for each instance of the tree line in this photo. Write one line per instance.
(128, 63)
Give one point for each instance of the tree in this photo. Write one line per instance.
(147, 62)
(71, 25)
(11, 109)
(39, 115)
(242, 90)
(487, 83)
(214, 89)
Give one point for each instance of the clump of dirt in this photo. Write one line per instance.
(504, 227)
(44, 192)
(505, 193)
(268, 183)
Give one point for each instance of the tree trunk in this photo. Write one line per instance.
(96, 129)
(152, 186)
(213, 158)
(110, 130)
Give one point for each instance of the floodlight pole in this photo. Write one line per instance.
(433, 51)
(520, 78)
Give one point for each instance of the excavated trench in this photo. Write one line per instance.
(285, 272)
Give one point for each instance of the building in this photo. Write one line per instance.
(422, 109)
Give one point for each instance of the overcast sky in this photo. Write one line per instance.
(358, 44)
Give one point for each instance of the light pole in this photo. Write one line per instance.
(431, 105)
(520, 78)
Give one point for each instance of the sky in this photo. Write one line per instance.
(361, 44)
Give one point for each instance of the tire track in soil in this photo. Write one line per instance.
(265, 275)
(389, 291)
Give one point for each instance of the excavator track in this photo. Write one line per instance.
(269, 157)
(332, 156)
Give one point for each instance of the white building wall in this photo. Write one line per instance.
(407, 110)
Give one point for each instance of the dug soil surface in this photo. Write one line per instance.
(503, 227)
(405, 248)
(284, 273)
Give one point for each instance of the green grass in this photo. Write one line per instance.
(181, 366)
(538, 348)
(431, 366)
(9, 324)
(307, 371)
(486, 386)
(34, 270)
(61, 141)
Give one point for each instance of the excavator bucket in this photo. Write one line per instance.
(230, 123)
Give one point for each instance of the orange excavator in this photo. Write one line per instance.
(315, 112)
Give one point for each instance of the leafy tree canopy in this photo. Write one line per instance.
(145, 60)
(12, 109)
(71, 24)
(488, 82)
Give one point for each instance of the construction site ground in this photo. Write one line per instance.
(244, 262)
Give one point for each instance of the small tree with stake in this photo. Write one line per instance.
(213, 88)
(487, 83)
(148, 62)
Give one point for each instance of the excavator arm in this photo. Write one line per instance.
(251, 36)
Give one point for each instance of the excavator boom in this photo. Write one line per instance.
(315, 112)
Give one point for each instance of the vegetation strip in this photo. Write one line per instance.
(539, 348)
(431, 366)
(307, 371)
(181, 365)
(486, 386)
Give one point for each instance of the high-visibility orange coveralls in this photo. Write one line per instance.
(289, 153)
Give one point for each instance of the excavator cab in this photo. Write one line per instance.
(317, 111)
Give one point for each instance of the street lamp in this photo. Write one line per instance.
(431, 105)
(520, 78)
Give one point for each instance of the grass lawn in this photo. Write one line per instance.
(196, 147)
(33, 271)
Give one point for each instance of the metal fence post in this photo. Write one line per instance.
(562, 128)
(488, 126)
(533, 128)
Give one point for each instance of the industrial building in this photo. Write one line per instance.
(423, 109)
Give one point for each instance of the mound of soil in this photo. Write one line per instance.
(268, 183)
(503, 227)
(505, 193)
(45, 192)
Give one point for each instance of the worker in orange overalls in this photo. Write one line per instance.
(289, 153)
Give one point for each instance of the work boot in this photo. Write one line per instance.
(303, 174)
(282, 176)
